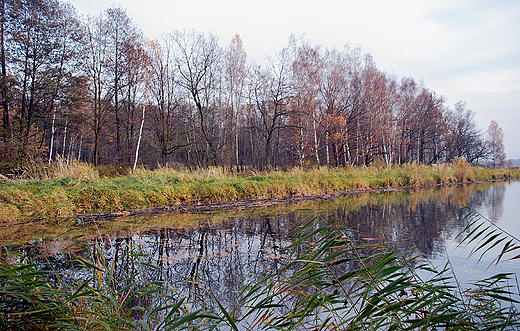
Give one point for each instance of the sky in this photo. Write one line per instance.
(464, 50)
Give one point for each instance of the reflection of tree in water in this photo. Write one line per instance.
(222, 257)
(219, 258)
(401, 225)
(490, 201)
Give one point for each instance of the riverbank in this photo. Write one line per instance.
(258, 203)
(78, 191)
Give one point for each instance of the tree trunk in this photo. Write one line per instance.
(65, 138)
(139, 141)
(3, 82)
(53, 131)
(316, 143)
(79, 148)
(327, 147)
(203, 128)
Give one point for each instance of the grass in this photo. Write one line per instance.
(127, 226)
(330, 281)
(66, 190)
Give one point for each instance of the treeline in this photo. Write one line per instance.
(96, 89)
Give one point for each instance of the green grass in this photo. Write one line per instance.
(65, 191)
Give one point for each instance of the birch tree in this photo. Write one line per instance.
(235, 74)
(271, 93)
(306, 70)
(96, 55)
(495, 142)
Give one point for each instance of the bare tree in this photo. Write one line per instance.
(428, 127)
(4, 78)
(333, 90)
(169, 121)
(463, 139)
(196, 57)
(235, 73)
(134, 89)
(306, 69)
(96, 55)
(271, 93)
(125, 64)
(495, 142)
(38, 51)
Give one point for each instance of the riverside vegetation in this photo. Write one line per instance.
(65, 190)
(331, 281)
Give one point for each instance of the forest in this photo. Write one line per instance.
(95, 89)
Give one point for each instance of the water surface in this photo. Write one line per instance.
(222, 251)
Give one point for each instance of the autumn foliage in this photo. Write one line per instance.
(97, 90)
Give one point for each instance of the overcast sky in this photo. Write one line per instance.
(462, 49)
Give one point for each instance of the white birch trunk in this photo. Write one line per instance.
(79, 149)
(237, 156)
(385, 151)
(327, 147)
(357, 143)
(346, 155)
(53, 130)
(64, 139)
(316, 142)
(302, 146)
(139, 141)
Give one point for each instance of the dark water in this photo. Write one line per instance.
(224, 250)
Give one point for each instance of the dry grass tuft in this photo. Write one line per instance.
(62, 168)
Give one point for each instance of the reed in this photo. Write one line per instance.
(331, 281)
(341, 283)
(27, 301)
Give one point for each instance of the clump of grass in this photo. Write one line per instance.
(62, 168)
(27, 300)
(444, 174)
(58, 169)
(113, 170)
(461, 168)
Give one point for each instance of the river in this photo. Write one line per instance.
(221, 251)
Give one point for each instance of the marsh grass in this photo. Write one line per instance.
(485, 237)
(128, 226)
(66, 189)
(331, 280)
(101, 295)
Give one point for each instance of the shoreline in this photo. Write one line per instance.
(257, 203)
(74, 196)
(83, 224)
